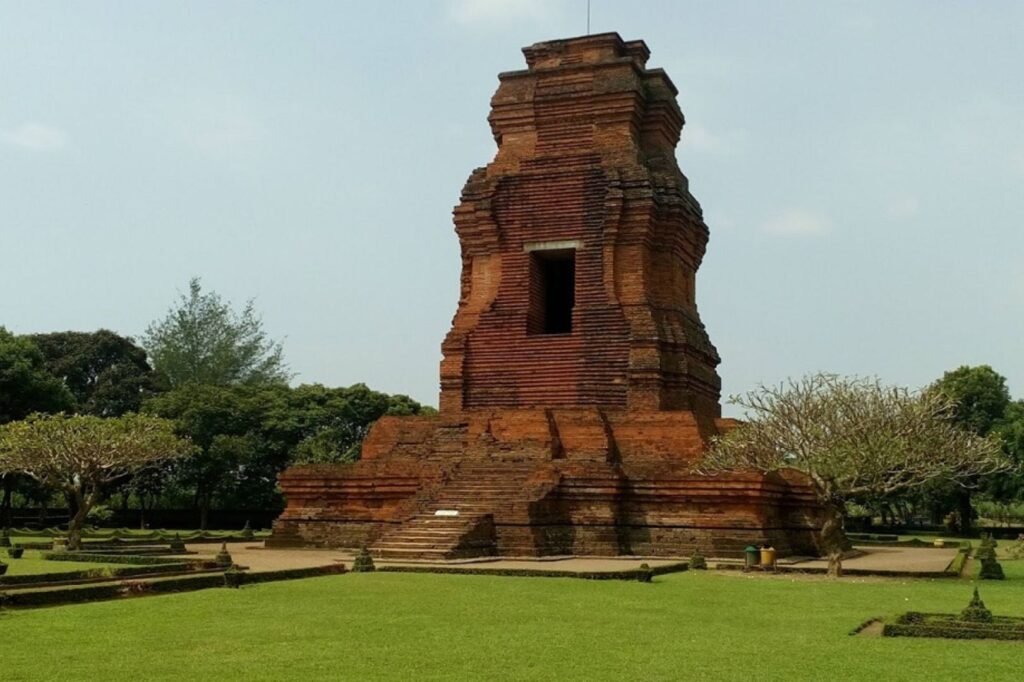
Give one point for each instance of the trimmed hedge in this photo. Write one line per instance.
(75, 595)
(860, 628)
(246, 578)
(118, 558)
(132, 588)
(42, 579)
(914, 624)
(956, 566)
(628, 574)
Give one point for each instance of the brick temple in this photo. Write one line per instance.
(578, 384)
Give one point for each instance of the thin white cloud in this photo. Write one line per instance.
(903, 207)
(493, 12)
(796, 222)
(34, 136)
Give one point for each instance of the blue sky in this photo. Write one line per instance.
(860, 164)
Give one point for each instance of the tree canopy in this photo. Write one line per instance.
(107, 374)
(202, 340)
(247, 434)
(26, 386)
(853, 437)
(82, 454)
(980, 396)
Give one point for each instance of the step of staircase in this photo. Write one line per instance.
(475, 490)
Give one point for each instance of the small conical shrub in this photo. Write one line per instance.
(223, 559)
(976, 611)
(985, 552)
(247, 533)
(645, 575)
(363, 562)
(177, 544)
(991, 570)
(698, 562)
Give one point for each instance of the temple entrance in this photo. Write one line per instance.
(552, 291)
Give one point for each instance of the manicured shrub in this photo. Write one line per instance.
(3, 568)
(363, 562)
(223, 559)
(698, 562)
(976, 611)
(177, 544)
(247, 533)
(645, 574)
(991, 570)
(15, 552)
(5, 538)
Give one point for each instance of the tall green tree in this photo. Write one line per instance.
(980, 394)
(981, 399)
(26, 386)
(108, 374)
(202, 340)
(247, 434)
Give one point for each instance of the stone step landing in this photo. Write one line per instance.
(476, 492)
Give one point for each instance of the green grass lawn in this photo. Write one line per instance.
(697, 626)
(33, 563)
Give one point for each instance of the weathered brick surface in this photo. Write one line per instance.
(570, 443)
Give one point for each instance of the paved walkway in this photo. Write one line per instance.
(892, 559)
(259, 559)
(880, 559)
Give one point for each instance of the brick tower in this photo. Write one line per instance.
(578, 383)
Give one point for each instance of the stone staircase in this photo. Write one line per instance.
(477, 491)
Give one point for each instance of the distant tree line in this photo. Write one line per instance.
(216, 376)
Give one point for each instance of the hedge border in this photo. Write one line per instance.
(129, 588)
(863, 626)
(627, 574)
(947, 626)
(94, 575)
(134, 559)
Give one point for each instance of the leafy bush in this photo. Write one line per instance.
(223, 558)
(991, 570)
(15, 552)
(363, 562)
(976, 611)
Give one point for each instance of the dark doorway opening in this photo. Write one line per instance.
(552, 291)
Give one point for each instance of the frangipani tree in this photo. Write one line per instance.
(80, 455)
(852, 437)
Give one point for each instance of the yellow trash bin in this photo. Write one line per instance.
(768, 558)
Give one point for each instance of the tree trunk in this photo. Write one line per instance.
(77, 521)
(204, 512)
(833, 539)
(5, 506)
(965, 511)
